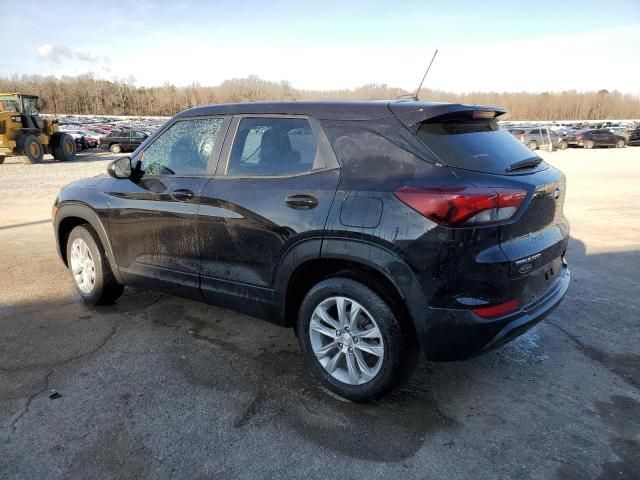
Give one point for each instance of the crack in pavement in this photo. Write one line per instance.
(47, 377)
(108, 337)
(25, 410)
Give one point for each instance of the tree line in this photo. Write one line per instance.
(87, 94)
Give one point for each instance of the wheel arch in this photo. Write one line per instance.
(375, 266)
(69, 216)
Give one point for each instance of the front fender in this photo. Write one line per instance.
(74, 209)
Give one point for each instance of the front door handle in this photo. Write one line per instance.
(301, 202)
(182, 195)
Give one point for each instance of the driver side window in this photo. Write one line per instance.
(183, 149)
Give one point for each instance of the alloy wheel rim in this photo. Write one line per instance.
(346, 340)
(83, 266)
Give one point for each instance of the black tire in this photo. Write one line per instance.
(399, 342)
(589, 144)
(1, 160)
(115, 148)
(562, 145)
(63, 146)
(105, 289)
(533, 145)
(620, 144)
(31, 147)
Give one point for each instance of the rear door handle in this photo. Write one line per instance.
(301, 202)
(182, 195)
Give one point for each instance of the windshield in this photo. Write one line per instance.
(473, 144)
(9, 103)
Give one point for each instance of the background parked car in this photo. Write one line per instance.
(535, 138)
(634, 137)
(84, 138)
(596, 138)
(123, 140)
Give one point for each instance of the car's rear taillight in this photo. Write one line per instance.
(579, 137)
(463, 206)
(497, 310)
(520, 136)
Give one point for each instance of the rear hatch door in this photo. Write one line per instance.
(534, 239)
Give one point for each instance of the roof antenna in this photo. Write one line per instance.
(415, 95)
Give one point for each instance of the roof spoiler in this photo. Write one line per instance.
(412, 114)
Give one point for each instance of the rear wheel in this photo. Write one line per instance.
(1, 160)
(620, 144)
(533, 145)
(353, 341)
(589, 144)
(562, 145)
(31, 147)
(115, 148)
(64, 146)
(90, 269)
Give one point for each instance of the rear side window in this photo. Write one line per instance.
(365, 156)
(274, 147)
(473, 144)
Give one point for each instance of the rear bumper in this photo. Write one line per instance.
(455, 334)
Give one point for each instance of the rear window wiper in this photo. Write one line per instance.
(526, 163)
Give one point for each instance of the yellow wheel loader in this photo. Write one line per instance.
(24, 132)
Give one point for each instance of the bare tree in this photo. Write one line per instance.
(87, 94)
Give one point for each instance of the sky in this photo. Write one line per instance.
(483, 46)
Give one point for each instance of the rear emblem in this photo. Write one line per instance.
(525, 268)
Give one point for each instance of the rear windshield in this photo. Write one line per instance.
(472, 144)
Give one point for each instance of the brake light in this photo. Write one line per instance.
(520, 136)
(484, 114)
(497, 310)
(579, 137)
(462, 206)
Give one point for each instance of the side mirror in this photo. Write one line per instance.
(120, 168)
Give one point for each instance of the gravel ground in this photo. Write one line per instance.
(160, 387)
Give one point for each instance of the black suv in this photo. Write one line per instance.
(123, 140)
(372, 228)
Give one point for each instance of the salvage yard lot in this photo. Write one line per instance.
(162, 387)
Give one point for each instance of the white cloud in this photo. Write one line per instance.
(58, 53)
(53, 53)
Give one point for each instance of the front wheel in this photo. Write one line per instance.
(115, 148)
(353, 340)
(31, 147)
(620, 144)
(90, 268)
(64, 146)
